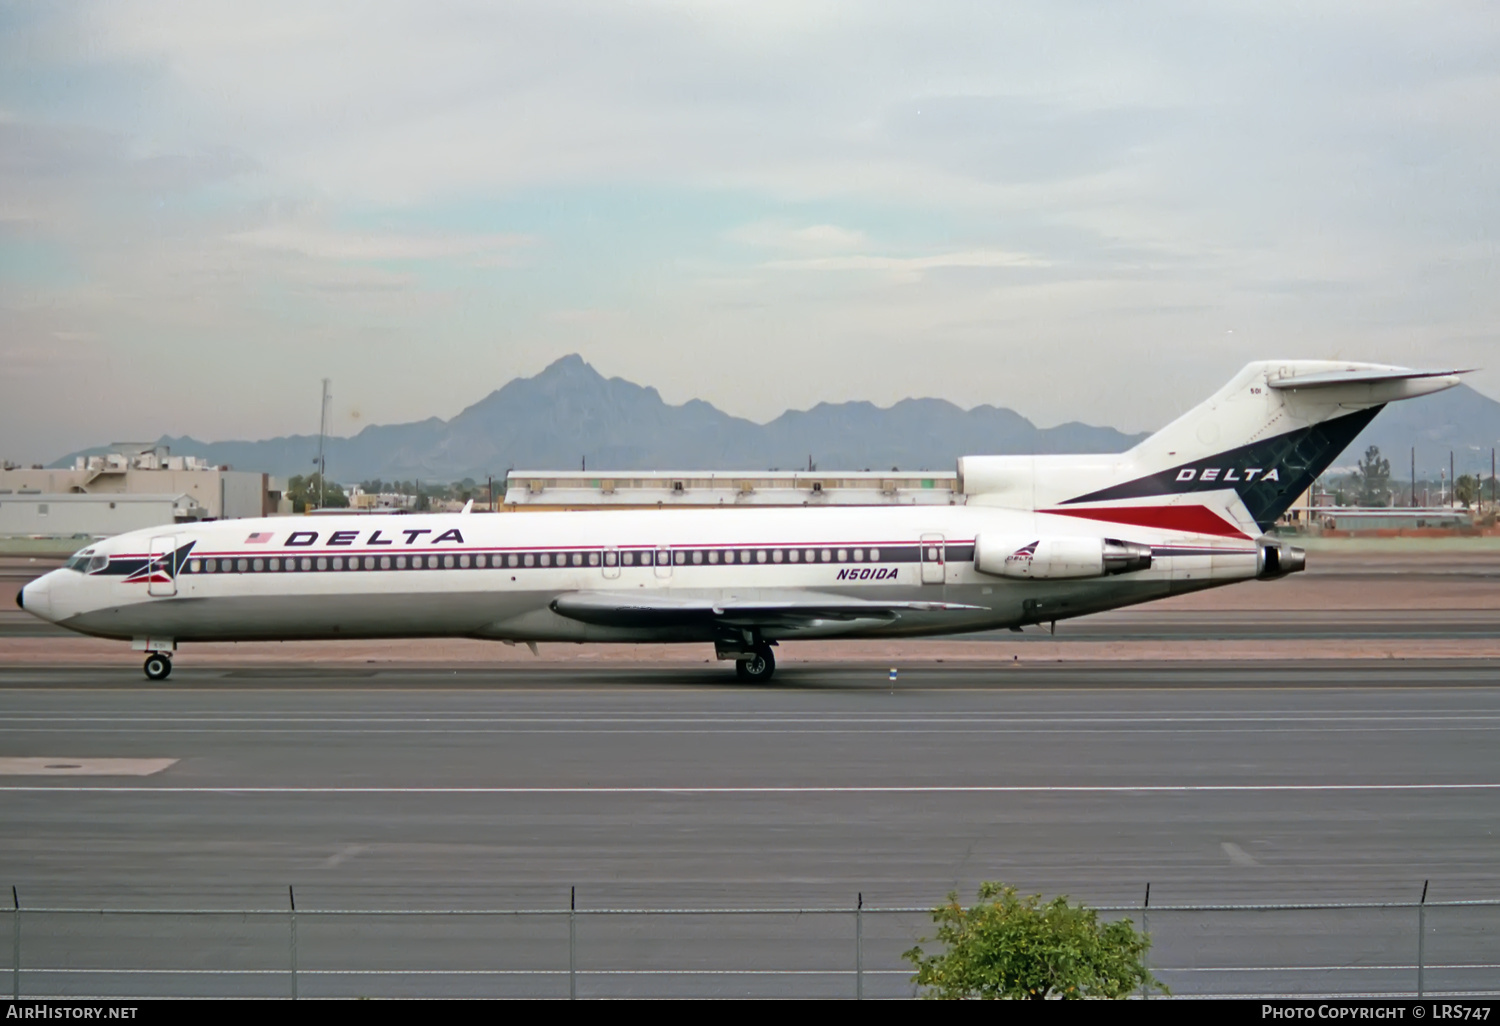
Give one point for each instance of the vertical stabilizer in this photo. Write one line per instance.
(1263, 438)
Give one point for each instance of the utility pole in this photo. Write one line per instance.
(1414, 477)
(1452, 482)
(322, 434)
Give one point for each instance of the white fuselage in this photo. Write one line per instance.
(497, 575)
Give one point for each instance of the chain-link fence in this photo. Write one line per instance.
(1335, 949)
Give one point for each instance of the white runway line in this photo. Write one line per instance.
(773, 789)
(66, 766)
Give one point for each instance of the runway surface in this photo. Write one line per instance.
(468, 790)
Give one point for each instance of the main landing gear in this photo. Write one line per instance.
(158, 666)
(758, 666)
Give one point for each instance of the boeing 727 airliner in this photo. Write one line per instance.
(1038, 539)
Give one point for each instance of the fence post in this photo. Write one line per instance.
(15, 945)
(1146, 932)
(859, 947)
(572, 943)
(292, 899)
(1422, 940)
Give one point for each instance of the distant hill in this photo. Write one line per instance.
(1460, 420)
(569, 411)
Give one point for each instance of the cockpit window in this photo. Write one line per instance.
(80, 561)
(98, 563)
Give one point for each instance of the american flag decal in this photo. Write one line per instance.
(258, 538)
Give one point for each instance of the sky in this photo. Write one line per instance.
(1089, 211)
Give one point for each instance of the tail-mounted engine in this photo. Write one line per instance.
(1273, 560)
(1055, 558)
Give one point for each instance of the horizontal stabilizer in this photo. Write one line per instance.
(766, 608)
(1367, 376)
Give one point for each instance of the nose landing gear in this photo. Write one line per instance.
(158, 666)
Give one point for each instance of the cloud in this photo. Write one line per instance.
(908, 265)
(810, 238)
(1092, 185)
(327, 244)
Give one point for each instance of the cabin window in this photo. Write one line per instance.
(258, 565)
(744, 555)
(210, 565)
(792, 556)
(463, 561)
(192, 566)
(338, 563)
(307, 562)
(244, 564)
(859, 555)
(447, 562)
(610, 558)
(369, 562)
(274, 564)
(713, 555)
(697, 557)
(874, 555)
(322, 563)
(776, 556)
(827, 556)
(760, 555)
(546, 559)
(578, 559)
(843, 555)
(628, 558)
(512, 560)
(593, 559)
(385, 562)
(681, 558)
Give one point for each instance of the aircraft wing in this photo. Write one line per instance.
(765, 608)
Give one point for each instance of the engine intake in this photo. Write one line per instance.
(1054, 558)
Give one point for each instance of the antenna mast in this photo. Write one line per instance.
(322, 433)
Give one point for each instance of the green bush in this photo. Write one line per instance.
(1006, 946)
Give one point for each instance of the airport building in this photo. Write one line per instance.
(639, 489)
(133, 485)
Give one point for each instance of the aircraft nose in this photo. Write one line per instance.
(36, 597)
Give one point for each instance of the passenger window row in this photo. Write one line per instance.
(515, 560)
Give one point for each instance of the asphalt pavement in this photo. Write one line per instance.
(493, 791)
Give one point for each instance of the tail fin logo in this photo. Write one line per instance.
(1230, 475)
(1267, 474)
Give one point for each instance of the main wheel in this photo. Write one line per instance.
(158, 666)
(758, 668)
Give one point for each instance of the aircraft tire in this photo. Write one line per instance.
(759, 669)
(158, 666)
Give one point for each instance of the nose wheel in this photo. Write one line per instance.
(158, 666)
(758, 668)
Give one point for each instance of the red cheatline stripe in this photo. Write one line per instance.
(1196, 519)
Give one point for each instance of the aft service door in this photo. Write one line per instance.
(611, 563)
(161, 578)
(664, 562)
(934, 568)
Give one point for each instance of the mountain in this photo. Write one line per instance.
(569, 411)
(1460, 420)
